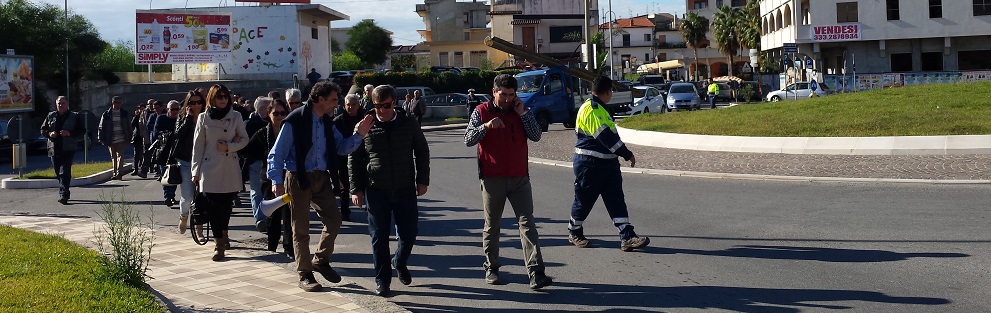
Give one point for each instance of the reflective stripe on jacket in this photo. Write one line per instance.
(596, 132)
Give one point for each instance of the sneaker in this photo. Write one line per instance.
(539, 280)
(492, 277)
(309, 283)
(328, 272)
(262, 226)
(579, 241)
(404, 276)
(634, 243)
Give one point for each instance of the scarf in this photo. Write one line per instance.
(216, 113)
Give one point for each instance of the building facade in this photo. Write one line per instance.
(455, 32)
(713, 63)
(880, 36)
(632, 44)
(555, 28)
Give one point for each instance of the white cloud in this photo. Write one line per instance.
(115, 18)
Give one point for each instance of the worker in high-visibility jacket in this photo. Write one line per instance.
(713, 92)
(596, 167)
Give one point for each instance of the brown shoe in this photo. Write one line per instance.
(309, 283)
(579, 241)
(328, 272)
(634, 243)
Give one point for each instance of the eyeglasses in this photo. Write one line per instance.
(280, 113)
(383, 105)
(174, 109)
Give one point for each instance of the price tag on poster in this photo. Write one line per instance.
(165, 37)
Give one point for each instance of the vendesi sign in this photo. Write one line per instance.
(845, 32)
(178, 37)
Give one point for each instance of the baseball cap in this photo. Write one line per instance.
(471, 90)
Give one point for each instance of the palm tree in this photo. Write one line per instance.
(693, 28)
(726, 26)
(750, 30)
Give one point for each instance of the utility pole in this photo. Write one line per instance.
(66, 22)
(612, 64)
(590, 56)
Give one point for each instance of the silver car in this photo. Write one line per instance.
(683, 96)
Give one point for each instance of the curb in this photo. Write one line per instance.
(12, 183)
(773, 177)
(444, 127)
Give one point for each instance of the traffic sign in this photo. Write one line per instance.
(747, 68)
(786, 60)
(808, 63)
(790, 47)
(814, 85)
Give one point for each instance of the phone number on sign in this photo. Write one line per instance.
(835, 37)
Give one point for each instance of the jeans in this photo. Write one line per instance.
(168, 191)
(383, 205)
(712, 101)
(495, 192)
(187, 187)
(257, 194)
(139, 158)
(62, 163)
(595, 177)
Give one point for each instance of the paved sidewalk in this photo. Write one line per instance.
(189, 281)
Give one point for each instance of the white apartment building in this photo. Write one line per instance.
(713, 63)
(881, 35)
(632, 44)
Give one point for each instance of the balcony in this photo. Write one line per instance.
(506, 8)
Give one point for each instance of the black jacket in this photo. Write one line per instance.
(106, 131)
(184, 129)
(385, 160)
(70, 122)
(260, 144)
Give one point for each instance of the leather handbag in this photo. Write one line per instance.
(199, 207)
(172, 175)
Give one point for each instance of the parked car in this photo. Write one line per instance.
(646, 99)
(441, 69)
(343, 80)
(799, 90)
(446, 99)
(402, 91)
(651, 80)
(470, 70)
(683, 96)
(626, 82)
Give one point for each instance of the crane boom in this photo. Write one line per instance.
(508, 47)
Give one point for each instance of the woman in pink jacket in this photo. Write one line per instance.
(219, 135)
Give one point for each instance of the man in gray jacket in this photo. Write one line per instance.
(63, 129)
(114, 133)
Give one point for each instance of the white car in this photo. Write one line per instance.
(646, 99)
(799, 90)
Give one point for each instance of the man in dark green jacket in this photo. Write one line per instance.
(391, 168)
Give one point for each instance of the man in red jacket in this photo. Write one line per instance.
(496, 127)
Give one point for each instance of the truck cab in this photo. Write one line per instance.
(550, 93)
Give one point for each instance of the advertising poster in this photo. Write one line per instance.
(893, 80)
(16, 83)
(182, 37)
(869, 81)
(828, 33)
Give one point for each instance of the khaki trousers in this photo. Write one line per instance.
(495, 192)
(321, 193)
(117, 156)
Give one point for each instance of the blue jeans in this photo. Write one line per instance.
(187, 187)
(257, 194)
(712, 101)
(62, 163)
(168, 191)
(595, 177)
(383, 205)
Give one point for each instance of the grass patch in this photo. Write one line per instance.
(922, 110)
(78, 170)
(455, 119)
(46, 273)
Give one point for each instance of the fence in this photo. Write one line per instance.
(860, 82)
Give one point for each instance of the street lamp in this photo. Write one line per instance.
(612, 65)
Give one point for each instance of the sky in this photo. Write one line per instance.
(114, 19)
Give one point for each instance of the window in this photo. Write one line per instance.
(701, 4)
(982, 7)
(313, 33)
(565, 34)
(626, 40)
(459, 59)
(646, 58)
(737, 3)
(935, 8)
(932, 61)
(901, 62)
(846, 12)
(442, 59)
(893, 10)
(974, 60)
(467, 36)
(555, 84)
(646, 37)
(719, 3)
(476, 58)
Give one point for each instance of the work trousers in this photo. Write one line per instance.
(321, 193)
(383, 206)
(595, 177)
(495, 192)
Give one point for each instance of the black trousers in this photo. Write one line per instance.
(220, 207)
(279, 224)
(62, 163)
(345, 193)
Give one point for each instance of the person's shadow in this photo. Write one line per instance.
(809, 253)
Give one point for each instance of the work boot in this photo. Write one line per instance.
(404, 275)
(328, 272)
(309, 283)
(539, 280)
(218, 254)
(492, 276)
(579, 241)
(634, 243)
(183, 221)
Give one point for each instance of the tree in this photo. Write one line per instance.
(348, 61)
(335, 47)
(750, 28)
(369, 42)
(693, 29)
(42, 31)
(119, 57)
(726, 26)
(402, 62)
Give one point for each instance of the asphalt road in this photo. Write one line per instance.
(717, 245)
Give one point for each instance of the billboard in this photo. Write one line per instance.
(16, 83)
(182, 37)
(844, 32)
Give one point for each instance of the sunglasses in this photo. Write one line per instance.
(196, 102)
(174, 109)
(383, 105)
(220, 96)
(280, 113)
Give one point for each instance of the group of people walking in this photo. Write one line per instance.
(329, 158)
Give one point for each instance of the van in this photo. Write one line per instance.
(401, 93)
(651, 80)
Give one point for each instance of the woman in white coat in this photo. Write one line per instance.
(219, 135)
